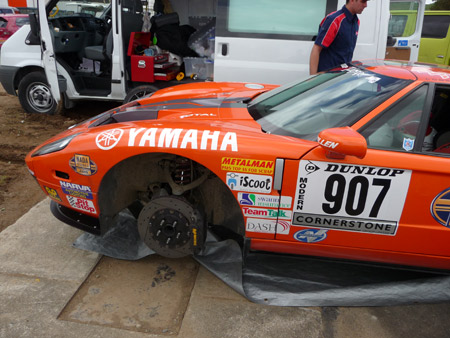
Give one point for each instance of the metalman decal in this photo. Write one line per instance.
(170, 138)
(83, 165)
(440, 208)
(248, 166)
(350, 197)
(249, 183)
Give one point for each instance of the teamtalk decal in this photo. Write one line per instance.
(310, 235)
(267, 226)
(440, 208)
(76, 190)
(268, 201)
(83, 165)
(52, 193)
(169, 138)
(267, 213)
(248, 166)
(82, 204)
(350, 197)
(249, 182)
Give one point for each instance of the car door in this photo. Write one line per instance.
(48, 53)
(395, 199)
(405, 29)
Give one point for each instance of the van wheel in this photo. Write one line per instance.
(139, 92)
(35, 95)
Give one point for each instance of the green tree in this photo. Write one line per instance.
(440, 5)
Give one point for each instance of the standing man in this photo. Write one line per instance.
(337, 36)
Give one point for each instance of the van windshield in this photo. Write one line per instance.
(333, 99)
(72, 8)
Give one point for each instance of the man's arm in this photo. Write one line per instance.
(314, 59)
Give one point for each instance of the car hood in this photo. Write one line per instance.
(199, 101)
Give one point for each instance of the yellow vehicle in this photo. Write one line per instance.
(435, 39)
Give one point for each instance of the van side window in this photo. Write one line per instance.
(435, 26)
(289, 19)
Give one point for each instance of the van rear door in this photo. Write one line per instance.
(48, 54)
(405, 29)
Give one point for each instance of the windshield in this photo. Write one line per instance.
(73, 8)
(332, 99)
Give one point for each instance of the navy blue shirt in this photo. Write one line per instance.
(337, 36)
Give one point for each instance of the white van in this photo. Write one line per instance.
(66, 57)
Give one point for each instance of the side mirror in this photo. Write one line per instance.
(34, 25)
(339, 142)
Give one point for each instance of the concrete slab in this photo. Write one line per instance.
(149, 295)
(40, 245)
(215, 310)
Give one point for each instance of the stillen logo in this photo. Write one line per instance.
(108, 139)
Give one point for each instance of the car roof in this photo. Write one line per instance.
(409, 70)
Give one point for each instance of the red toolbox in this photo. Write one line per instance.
(148, 68)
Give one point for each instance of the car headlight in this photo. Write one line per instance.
(54, 146)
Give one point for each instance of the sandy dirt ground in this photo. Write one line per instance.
(20, 133)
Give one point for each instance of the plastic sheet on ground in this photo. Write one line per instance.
(284, 280)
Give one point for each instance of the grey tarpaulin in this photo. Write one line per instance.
(284, 280)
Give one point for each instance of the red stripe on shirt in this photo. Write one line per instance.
(332, 30)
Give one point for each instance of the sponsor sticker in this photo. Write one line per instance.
(267, 226)
(350, 197)
(83, 165)
(108, 139)
(169, 138)
(249, 182)
(82, 204)
(76, 190)
(372, 226)
(440, 208)
(52, 193)
(247, 165)
(408, 144)
(268, 201)
(267, 213)
(310, 235)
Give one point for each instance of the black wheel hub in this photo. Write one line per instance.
(171, 227)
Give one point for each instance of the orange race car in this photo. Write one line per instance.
(349, 164)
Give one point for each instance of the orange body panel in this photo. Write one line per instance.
(210, 124)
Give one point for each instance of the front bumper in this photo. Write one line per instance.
(7, 75)
(77, 220)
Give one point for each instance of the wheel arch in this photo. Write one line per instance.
(20, 74)
(121, 185)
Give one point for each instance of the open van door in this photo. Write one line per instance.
(405, 29)
(48, 54)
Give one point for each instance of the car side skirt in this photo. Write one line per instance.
(354, 254)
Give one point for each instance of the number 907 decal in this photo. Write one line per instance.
(350, 197)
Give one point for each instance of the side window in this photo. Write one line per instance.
(438, 132)
(291, 19)
(435, 26)
(397, 128)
